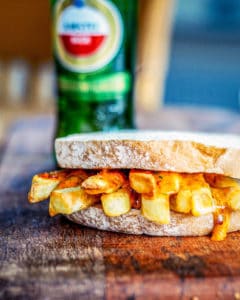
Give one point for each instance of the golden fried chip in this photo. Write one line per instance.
(143, 182)
(221, 181)
(202, 202)
(43, 184)
(105, 182)
(70, 181)
(69, 200)
(227, 197)
(168, 182)
(182, 201)
(116, 203)
(156, 208)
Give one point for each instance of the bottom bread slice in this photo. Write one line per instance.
(134, 223)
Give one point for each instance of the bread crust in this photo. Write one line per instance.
(134, 223)
(158, 151)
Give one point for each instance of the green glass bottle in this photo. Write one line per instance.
(94, 52)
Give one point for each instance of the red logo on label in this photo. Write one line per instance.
(82, 45)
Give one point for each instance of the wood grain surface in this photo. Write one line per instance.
(52, 258)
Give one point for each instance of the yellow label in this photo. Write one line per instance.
(88, 34)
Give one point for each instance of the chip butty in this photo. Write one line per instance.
(157, 192)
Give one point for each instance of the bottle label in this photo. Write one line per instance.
(99, 88)
(87, 33)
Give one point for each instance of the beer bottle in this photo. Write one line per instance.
(94, 53)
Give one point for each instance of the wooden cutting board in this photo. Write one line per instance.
(52, 258)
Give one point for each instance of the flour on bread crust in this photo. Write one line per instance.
(152, 150)
(134, 223)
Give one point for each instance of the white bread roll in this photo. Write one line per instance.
(152, 150)
(134, 223)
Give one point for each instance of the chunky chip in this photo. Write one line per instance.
(69, 200)
(182, 201)
(220, 181)
(116, 203)
(202, 202)
(156, 208)
(104, 182)
(43, 184)
(168, 182)
(143, 182)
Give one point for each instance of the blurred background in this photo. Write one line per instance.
(205, 54)
(200, 65)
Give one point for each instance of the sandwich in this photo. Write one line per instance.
(146, 182)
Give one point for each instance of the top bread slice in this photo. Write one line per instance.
(152, 150)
